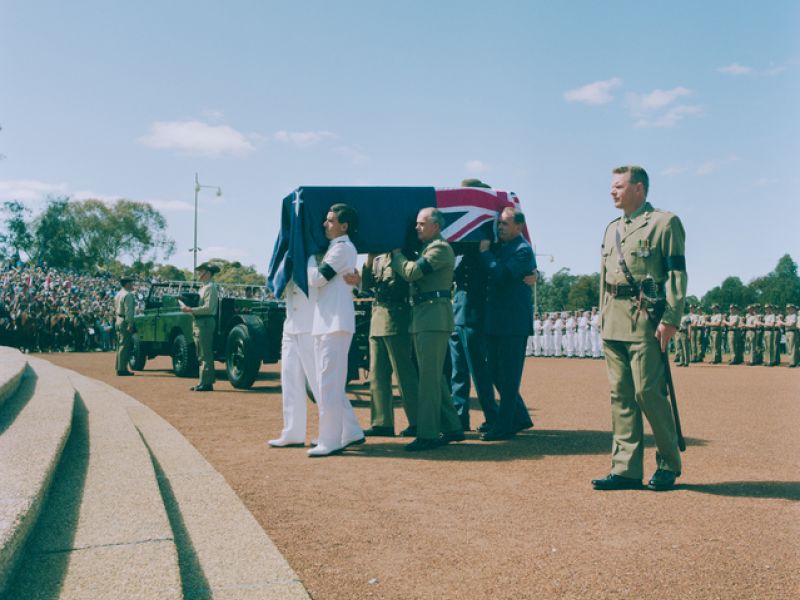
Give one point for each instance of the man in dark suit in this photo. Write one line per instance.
(509, 319)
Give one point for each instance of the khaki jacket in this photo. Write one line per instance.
(209, 296)
(391, 313)
(124, 309)
(647, 242)
(431, 272)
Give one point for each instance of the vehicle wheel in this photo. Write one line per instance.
(242, 360)
(139, 355)
(184, 359)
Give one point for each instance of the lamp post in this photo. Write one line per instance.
(536, 283)
(197, 188)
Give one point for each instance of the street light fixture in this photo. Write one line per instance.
(197, 188)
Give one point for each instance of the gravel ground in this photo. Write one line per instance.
(515, 519)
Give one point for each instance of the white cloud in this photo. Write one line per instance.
(197, 138)
(710, 166)
(595, 93)
(30, 190)
(673, 170)
(657, 99)
(670, 118)
(476, 166)
(302, 138)
(353, 154)
(735, 69)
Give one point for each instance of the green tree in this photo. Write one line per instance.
(17, 236)
(236, 272)
(779, 286)
(90, 234)
(584, 292)
(731, 291)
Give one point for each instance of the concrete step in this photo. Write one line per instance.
(12, 367)
(223, 551)
(35, 423)
(103, 532)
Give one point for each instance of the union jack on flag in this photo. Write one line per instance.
(387, 217)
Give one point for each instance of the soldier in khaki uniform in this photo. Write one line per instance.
(652, 244)
(431, 276)
(682, 342)
(771, 335)
(389, 346)
(790, 327)
(715, 333)
(205, 321)
(735, 342)
(124, 309)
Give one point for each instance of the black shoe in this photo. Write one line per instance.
(379, 432)
(410, 431)
(421, 444)
(452, 436)
(662, 480)
(124, 374)
(519, 428)
(617, 482)
(494, 436)
(207, 387)
(486, 426)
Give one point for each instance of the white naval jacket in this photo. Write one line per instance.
(334, 310)
(299, 309)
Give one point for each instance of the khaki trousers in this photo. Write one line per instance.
(716, 345)
(435, 411)
(636, 377)
(203, 333)
(682, 348)
(791, 347)
(124, 347)
(392, 354)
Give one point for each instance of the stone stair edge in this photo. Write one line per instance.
(12, 368)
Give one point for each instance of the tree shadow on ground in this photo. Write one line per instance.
(781, 490)
(528, 445)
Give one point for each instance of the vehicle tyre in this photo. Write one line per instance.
(139, 354)
(184, 358)
(242, 360)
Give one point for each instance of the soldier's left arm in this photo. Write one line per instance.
(433, 258)
(673, 248)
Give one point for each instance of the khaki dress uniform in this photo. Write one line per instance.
(431, 276)
(790, 322)
(770, 340)
(205, 322)
(735, 345)
(751, 322)
(682, 342)
(124, 309)
(389, 343)
(715, 334)
(653, 243)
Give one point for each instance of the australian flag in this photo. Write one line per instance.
(387, 216)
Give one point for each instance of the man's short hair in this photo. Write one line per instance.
(519, 216)
(437, 217)
(346, 214)
(638, 175)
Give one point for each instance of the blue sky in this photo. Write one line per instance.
(130, 100)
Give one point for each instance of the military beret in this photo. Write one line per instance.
(211, 268)
(474, 183)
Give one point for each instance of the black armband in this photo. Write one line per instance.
(327, 271)
(675, 263)
(424, 266)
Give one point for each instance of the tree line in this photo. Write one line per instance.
(91, 236)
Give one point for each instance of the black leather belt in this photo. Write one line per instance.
(622, 291)
(434, 295)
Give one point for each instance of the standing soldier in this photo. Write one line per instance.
(431, 325)
(759, 342)
(389, 346)
(642, 294)
(594, 332)
(124, 309)
(751, 323)
(204, 324)
(734, 325)
(558, 335)
(694, 345)
(570, 325)
(537, 335)
(715, 333)
(682, 341)
(547, 335)
(790, 325)
(770, 345)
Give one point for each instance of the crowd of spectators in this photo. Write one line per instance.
(43, 309)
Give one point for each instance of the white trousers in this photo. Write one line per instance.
(558, 349)
(297, 368)
(537, 344)
(570, 343)
(595, 335)
(529, 347)
(583, 347)
(338, 425)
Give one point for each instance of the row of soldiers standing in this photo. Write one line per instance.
(755, 335)
(574, 335)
